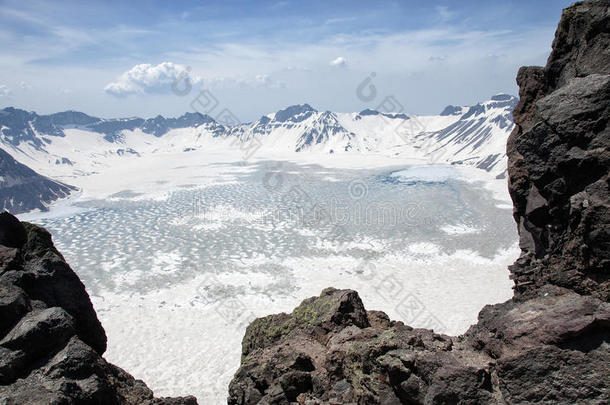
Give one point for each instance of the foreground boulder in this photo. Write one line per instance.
(550, 349)
(550, 343)
(51, 342)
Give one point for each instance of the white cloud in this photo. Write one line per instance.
(339, 62)
(146, 78)
(445, 63)
(25, 85)
(266, 81)
(279, 4)
(427, 69)
(232, 82)
(338, 20)
(296, 69)
(5, 91)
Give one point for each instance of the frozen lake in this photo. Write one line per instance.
(179, 277)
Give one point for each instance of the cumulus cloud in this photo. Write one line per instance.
(146, 79)
(339, 62)
(5, 91)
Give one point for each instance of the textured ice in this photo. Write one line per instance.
(177, 278)
(430, 174)
(458, 229)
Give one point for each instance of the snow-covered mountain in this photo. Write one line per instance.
(72, 143)
(478, 137)
(474, 135)
(22, 189)
(19, 125)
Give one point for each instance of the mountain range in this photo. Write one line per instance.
(72, 143)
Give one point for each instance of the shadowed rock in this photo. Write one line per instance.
(23, 190)
(559, 154)
(12, 233)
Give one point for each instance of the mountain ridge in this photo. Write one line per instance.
(80, 143)
(53, 124)
(60, 117)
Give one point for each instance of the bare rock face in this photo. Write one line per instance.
(550, 343)
(559, 155)
(51, 342)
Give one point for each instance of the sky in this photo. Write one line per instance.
(144, 58)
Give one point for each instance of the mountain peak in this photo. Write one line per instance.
(295, 113)
(502, 97)
(502, 101)
(452, 110)
(368, 111)
(69, 117)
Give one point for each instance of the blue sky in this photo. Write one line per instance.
(114, 59)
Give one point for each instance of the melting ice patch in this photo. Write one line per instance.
(459, 229)
(426, 174)
(424, 248)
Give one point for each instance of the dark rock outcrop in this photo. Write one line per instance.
(550, 343)
(549, 349)
(51, 342)
(559, 155)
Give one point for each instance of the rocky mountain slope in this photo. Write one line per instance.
(550, 343)
(51, 342)
(476, 138)
(22, 189)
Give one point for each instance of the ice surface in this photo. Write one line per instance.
(429, 173)
(176, 276)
